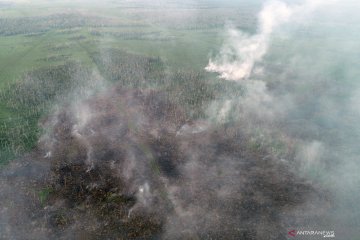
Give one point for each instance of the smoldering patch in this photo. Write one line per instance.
(130, 164)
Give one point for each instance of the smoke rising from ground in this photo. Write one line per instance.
(241, 51)
(131, 163)
(308, 94)
(146, 172)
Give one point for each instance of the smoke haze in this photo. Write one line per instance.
(144, 156)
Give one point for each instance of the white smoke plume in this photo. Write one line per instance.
(242, 51)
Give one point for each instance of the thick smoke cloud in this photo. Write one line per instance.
(308, 94)
(241, 51)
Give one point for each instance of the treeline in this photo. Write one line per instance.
(203, 19)
(36, 25)
(132, 35)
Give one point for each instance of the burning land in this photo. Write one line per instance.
(179, 120)
(130, 164)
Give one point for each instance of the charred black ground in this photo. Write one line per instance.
(134, 166)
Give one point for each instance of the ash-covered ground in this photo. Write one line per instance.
(128, 164)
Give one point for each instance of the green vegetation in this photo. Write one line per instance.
(44, 195)
(48, 52)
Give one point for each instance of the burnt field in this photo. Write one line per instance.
(196, 119)
(150, 172)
